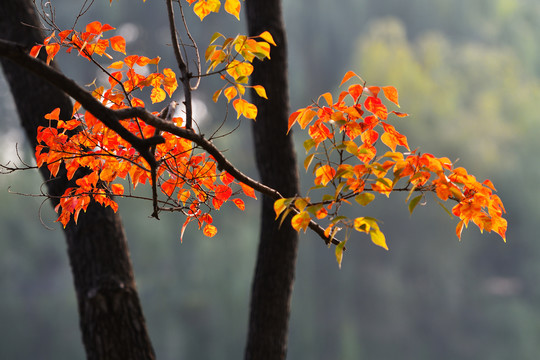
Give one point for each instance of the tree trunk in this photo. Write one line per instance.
(111, 319)
(276, 161)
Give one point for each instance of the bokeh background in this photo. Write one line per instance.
(467, 72)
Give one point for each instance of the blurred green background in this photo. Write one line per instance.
(467, 72)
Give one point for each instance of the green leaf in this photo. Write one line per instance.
(312, 209)
(339, 252)
(328, 197)
(300, 204)
(308, 161)
(284, 215)
(337, 219)
(309, 144)
(339, 188)
(445, 209)
(215, 37)
(364, 198)
(384, 181)
(351, 147)
(413, 203)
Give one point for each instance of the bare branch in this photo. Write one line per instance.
(186, 76)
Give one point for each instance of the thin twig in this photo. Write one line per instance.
(185, 75)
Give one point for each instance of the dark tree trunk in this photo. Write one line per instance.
(111, 319)
(276, 161)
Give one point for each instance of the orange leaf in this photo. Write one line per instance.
(210, 230)
(375, 106)
(53, 115)
(117, 189)
(324, 174)
(328, 97)
(305, 117)
(118, 43)
(35, 50)
(226, 178)
(459, 229)
(391, 94)
(348, 76)
(223, 192)
(248, 190)
(356, 91)
(239, 204)
(52, 50)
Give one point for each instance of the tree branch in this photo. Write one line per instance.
(111, 118)
(186, 76)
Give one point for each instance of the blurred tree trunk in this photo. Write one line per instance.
(111, 319)
(276, 162)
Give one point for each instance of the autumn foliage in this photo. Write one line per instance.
(353, 150)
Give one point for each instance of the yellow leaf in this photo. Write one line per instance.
(245, 108)
(157, 95)
(230, 93)
(268, 38)
(204, 7)
(279, 206)
(260, 91)
(301, 221)
(378, 238)
(233, 8)
(305, 117)
(116, 65)
(301, 203)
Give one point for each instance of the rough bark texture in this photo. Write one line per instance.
(276, 161)
(111, 319)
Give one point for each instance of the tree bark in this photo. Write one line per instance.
(276, 161)
(111, 318)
